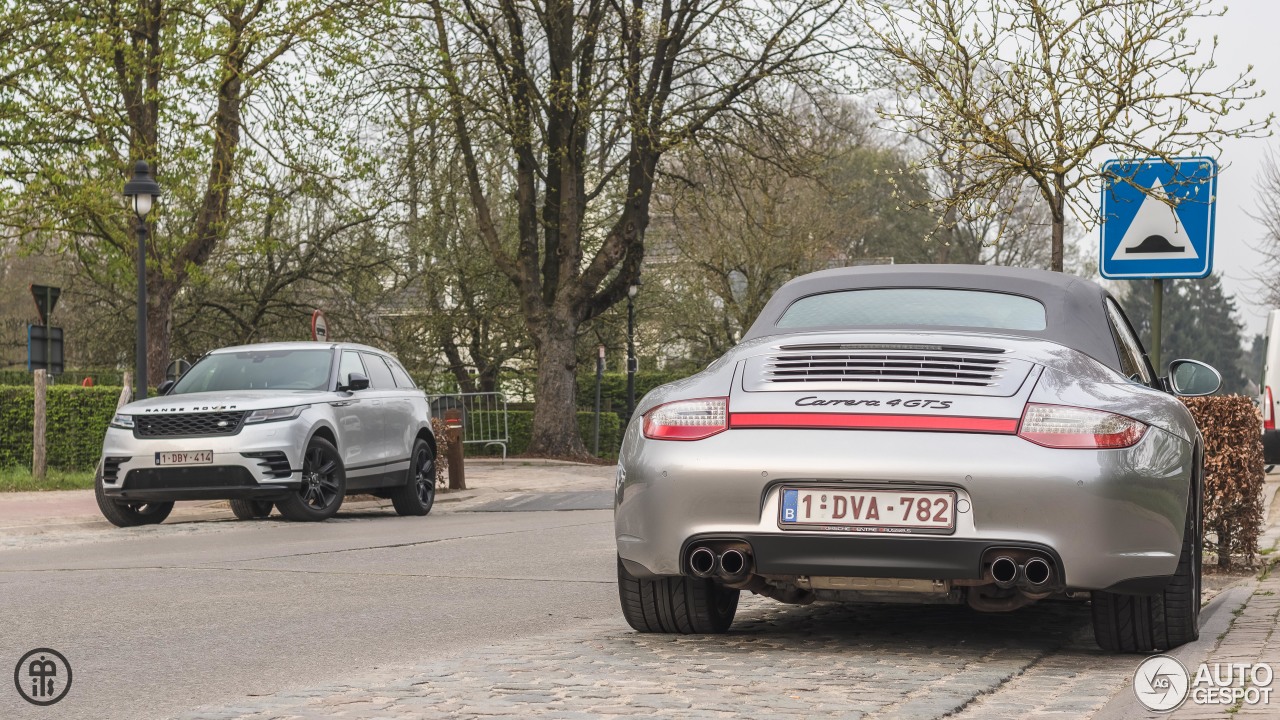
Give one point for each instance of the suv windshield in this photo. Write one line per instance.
(930, 307)
(258, 370)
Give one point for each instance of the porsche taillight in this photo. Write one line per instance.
(1268, 410)
(687, 419)
(1061, 426)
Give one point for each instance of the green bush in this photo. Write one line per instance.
(520, 427)
(70, 377)
(77, 419)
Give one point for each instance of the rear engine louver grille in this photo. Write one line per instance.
(927, 368)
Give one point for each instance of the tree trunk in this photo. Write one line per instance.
(1059, 211)
(555, 417)
(160, 297)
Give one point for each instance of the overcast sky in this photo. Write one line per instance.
(1246, 35)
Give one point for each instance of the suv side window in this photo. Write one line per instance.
(350, 364)
(1133, 361)
(379, 374)
(402, 378)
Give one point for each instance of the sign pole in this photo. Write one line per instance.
(1157, 315)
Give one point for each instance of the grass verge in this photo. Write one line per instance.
(20, 480)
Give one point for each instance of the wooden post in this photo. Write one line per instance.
(38, 458)
(453, 428)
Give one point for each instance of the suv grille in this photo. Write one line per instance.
(187, 424)
(972, 367)
(188, 477)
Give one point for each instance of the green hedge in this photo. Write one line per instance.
(613, 388)
(520, 427)
(78, 418)
(77, 421)
(70, 377)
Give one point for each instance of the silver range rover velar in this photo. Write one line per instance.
(296, 426)
(945, 434)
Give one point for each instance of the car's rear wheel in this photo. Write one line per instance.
(123, 513)
(685, 605)
(324, 484)
(418, 493)
(1165, 620)
(250, 509)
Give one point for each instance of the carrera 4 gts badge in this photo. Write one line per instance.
(814, 401)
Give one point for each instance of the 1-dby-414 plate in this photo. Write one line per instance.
(190, 457)
(867, 510)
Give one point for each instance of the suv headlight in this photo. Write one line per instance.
(124, 422)
(274, 414)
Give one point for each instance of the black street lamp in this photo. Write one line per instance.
(142, 191)
(631, 347)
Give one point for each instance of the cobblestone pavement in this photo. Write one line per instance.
(780, 661)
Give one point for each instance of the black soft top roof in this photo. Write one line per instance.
(1074, 311)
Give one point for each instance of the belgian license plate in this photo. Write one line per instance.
(885, 511)
(190, 457)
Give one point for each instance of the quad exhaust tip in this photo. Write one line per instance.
(702, 562)
(1037, 571)
(1004, 571)
(733, 564)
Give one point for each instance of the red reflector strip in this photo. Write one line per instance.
(847, 421)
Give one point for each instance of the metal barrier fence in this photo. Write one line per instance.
(484, 417)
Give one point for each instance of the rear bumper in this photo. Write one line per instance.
(1107, 517)
(858, 556)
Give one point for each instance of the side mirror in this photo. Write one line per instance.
(164, 387)
(1192, 378)
(356, 381)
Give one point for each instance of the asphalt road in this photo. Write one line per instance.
(495, 614)
(156, 621)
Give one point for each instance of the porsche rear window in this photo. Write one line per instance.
(908, 307)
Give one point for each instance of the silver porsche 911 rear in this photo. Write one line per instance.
(932, 434)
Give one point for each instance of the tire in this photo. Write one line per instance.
(1160, 622)
(685, 605)
(418, 493)
(122, 513)
(324, 485)
(250, 509)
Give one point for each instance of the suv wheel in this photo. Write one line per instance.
(123, 513)
(676, 604)
(1153, 623)
(418, 493)
(324, 484)
(250, 509)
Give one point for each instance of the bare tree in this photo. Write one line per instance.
(582, 100)
(1267, 212)
(1038, 93)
